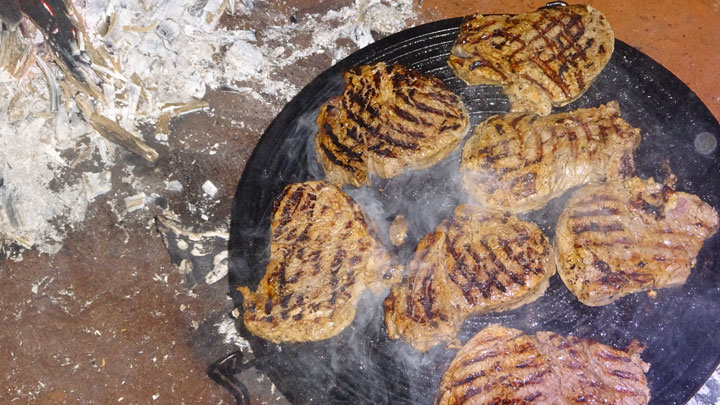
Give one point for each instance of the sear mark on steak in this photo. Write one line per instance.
(627, 236)
(324, 253)
(542, 59)
(477, 262)
(520, 162)
(545, 368)
(389, 119)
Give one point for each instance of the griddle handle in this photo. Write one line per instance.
(224, 370)
(555, 4)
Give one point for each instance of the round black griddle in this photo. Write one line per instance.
(361, 365)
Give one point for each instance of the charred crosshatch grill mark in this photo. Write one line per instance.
(557, 51)
(389, 119)
(289, 208)
(311, 296)
(456, 273)
(519, 368)
(346, 151)
(595, 227)
(448, 100)
(537, 83)
(407, 116)
(427, 297)
(469, 378)
(489, 354)
(484, 63)
(595, 212)
(499, 265)
(504, 156)
(468, 272)
(660, 252)
(574, 21)
(334, 159)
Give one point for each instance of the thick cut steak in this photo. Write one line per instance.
(388, 119)
(501, 365)
(542, 59)
(323, 255)
(476, 263)
(623, 237)
(518, 162)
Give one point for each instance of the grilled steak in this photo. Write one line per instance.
(478, 262)
(542, 59)
(519, 162)
(323, 255)
(623, 237)
(501, 365)
(388, 119)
